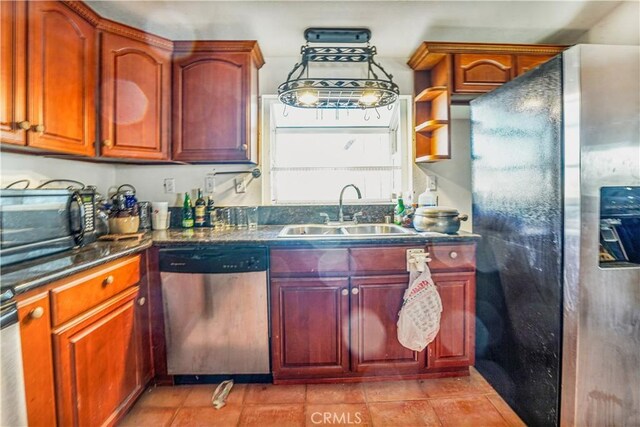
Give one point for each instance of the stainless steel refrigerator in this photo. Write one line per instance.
(556, 198)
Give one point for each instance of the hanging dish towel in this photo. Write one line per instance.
(419, 317)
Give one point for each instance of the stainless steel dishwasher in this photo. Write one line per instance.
(215, 310)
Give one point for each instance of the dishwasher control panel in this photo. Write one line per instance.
(214, 260)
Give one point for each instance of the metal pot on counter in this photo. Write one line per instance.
(438, 219)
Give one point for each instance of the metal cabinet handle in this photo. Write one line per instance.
(244, 147)
(38, 128)
(107, 143)
(344, 292)
(108, 281)
(453, 254)
(355, 291)
(142, 301)
(36, 313)
(24, 125)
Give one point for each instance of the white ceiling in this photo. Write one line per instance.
(397, 27)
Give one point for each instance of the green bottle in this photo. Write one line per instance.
(398, 212)
(187, 213)
(201, 207)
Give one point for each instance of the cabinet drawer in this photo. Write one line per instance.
(452, 257)
(86, 290)
(480, 73)
(377, 260)
(309, 261)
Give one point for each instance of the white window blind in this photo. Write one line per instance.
(312, 160)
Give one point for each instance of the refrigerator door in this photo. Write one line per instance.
(601, 348)
(516, 151)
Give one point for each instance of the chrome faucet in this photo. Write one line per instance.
(340, 214)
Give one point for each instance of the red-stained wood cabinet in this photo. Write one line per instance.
(61, 82)
(375, 349)
(135, 93)
(215, 101)
(48, 76)
(454, 346)
(86, 345)
(310, 329)
(13, 74)
(335, 312)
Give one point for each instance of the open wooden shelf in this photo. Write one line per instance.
(430, 93)
(430, 125)
(458, 72)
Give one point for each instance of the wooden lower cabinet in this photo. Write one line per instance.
(454, 346)
(37, 359)
(342, 326)
(375, 304)
(310, 327)
(97, 363)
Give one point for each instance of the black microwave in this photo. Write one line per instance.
(35, 223)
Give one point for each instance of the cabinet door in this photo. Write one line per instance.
(135, 99)
(97, 364)
(480, 73)
(13, 72)
(310, 327)
(454, 346)
(61, 78)
(211, 107)
(525, 63)
(375, 304)
(37, 359)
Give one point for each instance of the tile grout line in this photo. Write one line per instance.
(500, 412)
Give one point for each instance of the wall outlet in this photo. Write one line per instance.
(169, 185)
(432, 182)
(241, 186)
(209, 183)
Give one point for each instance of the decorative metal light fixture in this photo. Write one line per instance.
(303, 91)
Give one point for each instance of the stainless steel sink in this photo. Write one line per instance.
(375, 229)
(343, 230)
(310, 230)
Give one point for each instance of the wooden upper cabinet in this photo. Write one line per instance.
(135, 94)
(13, 38)
(479, 73)
(446, 73)
(215, 91)
(525, 63)
(61, 79)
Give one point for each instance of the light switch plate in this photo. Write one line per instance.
(432, 182)
(241, 186)
(209, 183)
(169, 185)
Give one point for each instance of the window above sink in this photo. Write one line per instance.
(309, 155)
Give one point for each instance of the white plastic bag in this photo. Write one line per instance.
(419, 317)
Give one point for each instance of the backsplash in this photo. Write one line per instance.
(303, 214)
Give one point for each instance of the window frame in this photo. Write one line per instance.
(404, 141)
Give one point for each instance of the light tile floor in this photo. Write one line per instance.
(465, 401)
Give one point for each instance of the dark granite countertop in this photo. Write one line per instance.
(268, 235)
(32, 274)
